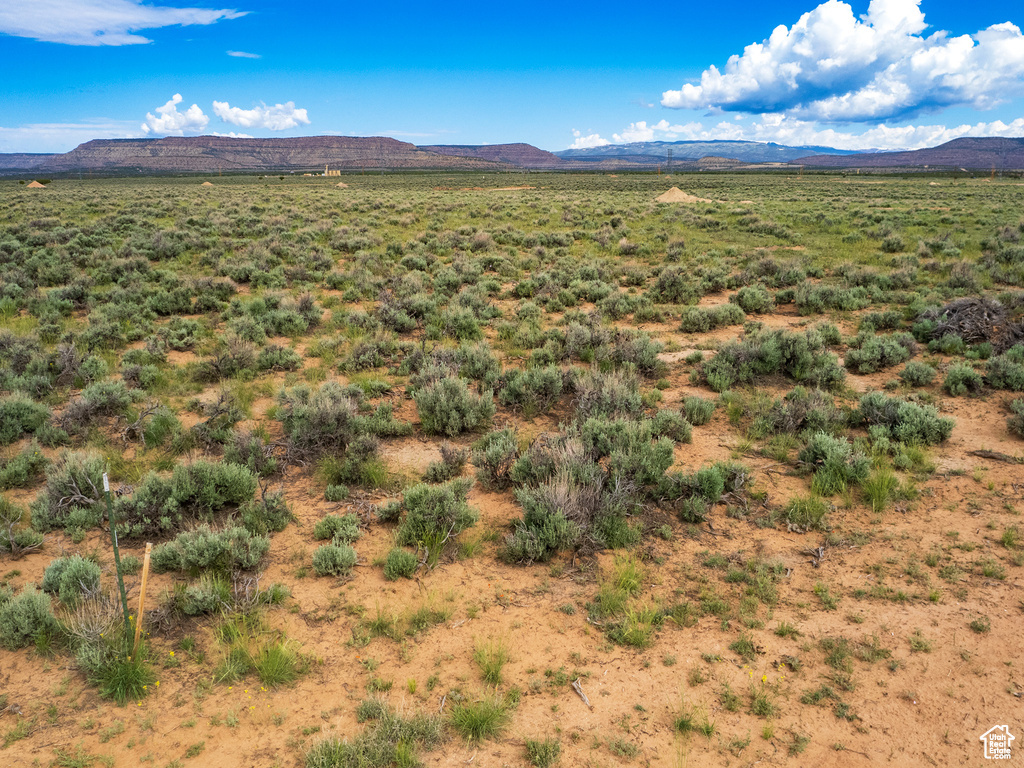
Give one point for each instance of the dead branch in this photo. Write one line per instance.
(579, 690)
(996, 456)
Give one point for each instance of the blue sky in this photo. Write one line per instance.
(857, 74)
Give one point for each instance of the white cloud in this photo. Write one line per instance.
(232, 135)
(660, 131)
(781, 129)
(832, 66)
(279, 117)
(170, 122)
(97, 22)
(244, 55)
(587, 142)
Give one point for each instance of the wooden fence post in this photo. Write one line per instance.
(142, 598)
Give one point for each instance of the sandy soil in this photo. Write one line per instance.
(912, 707)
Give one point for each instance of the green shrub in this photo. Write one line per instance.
(870, 354)
(533, 390)
(494, 456)
(753, 299)
(628, 444)
(801, 409)
(278, 358)
(390, 740)
(880, 321)
(334, 560)
(72, 498)
(19, 416)
(799, 356)
(704, 319)
(193, 492)
(809, 513)
(336, 493)
(917, 374)
(903, 421)
(835, 463)
(435, 515)
(543, 754)
(672, 424)
(340, 529)
(693, 494)
(698, 411)
(949, 344)
(24, 617)
(635, 351)
(15, 539)
(211, 594)
(19, 470)
(321, 421)
(447, 407)
(1016, 421)
(267, 514)
(607, 394)
(1007, 370)
(453, 462)
(204, 549)
(251, 451)
(400, 563)
(962, 379)
(811, 299)
(70, 578)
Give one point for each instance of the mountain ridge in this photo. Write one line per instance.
(211, 154)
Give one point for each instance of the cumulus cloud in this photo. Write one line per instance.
(279, 117)
(835, 67)
(232, 135)
(782, 129)
(168, 121)
(244, 55)
(98, 22)
(660, 131)
(587, 142)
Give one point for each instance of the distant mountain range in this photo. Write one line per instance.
(211, 154)
(656, 152)
(967, 154)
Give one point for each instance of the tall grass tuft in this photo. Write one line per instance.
(879, 489)
(492, 656)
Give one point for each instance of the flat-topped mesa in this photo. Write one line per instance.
(207, 154)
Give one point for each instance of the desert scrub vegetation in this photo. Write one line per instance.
(389, 738)
(219, 354)
(802, 357)
(430, 517)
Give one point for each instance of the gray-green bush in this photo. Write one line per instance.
(447, 407)
(205, 549)
(70, 578)
(24, 617)
(334, 560)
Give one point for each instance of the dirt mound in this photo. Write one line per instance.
(341, 185)
(676, 195)
(35, 185)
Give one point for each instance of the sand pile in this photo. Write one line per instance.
(676, 195)
(35, 185)
(206, 184)
(342, 185)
